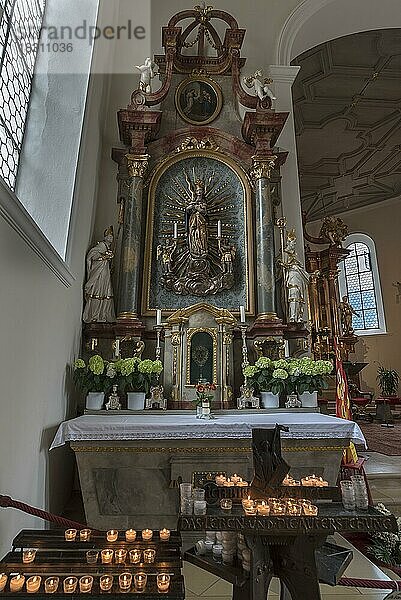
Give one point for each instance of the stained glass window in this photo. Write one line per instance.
(360, 287)
(20, 24)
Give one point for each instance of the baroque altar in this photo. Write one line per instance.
(200, 216)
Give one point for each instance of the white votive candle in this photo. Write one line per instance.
(70, 535)
(140, 580)
(85, 584)
(28, 555)
(17, 583)
(235, 478)
(107, 556)
(163, 582)
(120, 556)
(3, 581)
(51, 585)
(70, 585)
(135, 556)
(147, 535)
(164, 535)
(85, 534)
(33, 584)
(106, 583)
(125, 581)
(112, 535)
(130, 535)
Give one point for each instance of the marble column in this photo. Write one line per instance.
(283, 77)
(131, 269)
(264, 238)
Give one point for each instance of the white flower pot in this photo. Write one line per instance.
(309, 400)
(136, 400)
(269, 400)
(94, 400)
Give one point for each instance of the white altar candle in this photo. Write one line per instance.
(219, 229)
(175, 231)
(158, 317)
(242, 314)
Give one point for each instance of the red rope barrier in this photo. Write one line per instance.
(7, 502)
(378, 584)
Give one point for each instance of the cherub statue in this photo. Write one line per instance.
(261, 88)
(334, 229)
(147, 71)
(346, 312)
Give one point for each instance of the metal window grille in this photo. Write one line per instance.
(20, 24)
(361, 287)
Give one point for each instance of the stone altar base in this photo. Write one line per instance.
(134, 483)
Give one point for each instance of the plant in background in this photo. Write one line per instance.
(388, 380)
(203, 392)
(386, 546)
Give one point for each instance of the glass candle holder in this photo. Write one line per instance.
(3, 581)
(28, 555)
(17, 583)
(125, 582)
(198, 494)
(278, 508)
(226, 504)
(119, 556)
(209, 545)
(130, 535)
(85, 584)
(220, 479)
(263, 508)
(70, 585)
(185, 490)
(163, 582)
(247, 502)
(250, 511)
(293, 509)
(140, 581)
(70, 535)
(107, 556)
(147, 534)
(311, 510)
(217, 552)
(85, 535)
(51, 585)
(149, 555)
(92, 556)
(106, 582)
(164, 535)
(199, 507)
(33, 584)
(135, 556)
(112, 535)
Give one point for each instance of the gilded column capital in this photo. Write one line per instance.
(137, 164)
(262, 167)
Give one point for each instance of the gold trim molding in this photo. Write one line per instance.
(190, 334)
(204, 450)
(137, 164)
(262, 167)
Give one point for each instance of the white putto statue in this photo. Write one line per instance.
(261, 88)
(99, 307)
(296, 281)
(147, 71)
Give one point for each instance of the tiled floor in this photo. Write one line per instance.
(384, 472)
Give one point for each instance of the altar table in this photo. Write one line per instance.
(130, 465)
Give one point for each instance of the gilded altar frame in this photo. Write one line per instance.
(158, 172)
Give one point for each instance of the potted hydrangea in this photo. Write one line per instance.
(92, 379)
(311, 378)
(267, 378)
(135, 377)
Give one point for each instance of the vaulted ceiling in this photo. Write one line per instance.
(347, 107)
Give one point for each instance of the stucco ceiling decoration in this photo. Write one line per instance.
(347, 108)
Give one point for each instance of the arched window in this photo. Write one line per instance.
(360, 281)
(20, 24)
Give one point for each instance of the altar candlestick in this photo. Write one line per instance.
(175, 231)
(219, 229)
(242, 314)
(158, 317)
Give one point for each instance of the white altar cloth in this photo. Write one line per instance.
(172, 426)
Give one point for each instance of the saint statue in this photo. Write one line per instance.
(196, 220)
(346, 312)
(296, 281)
(99, 307)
